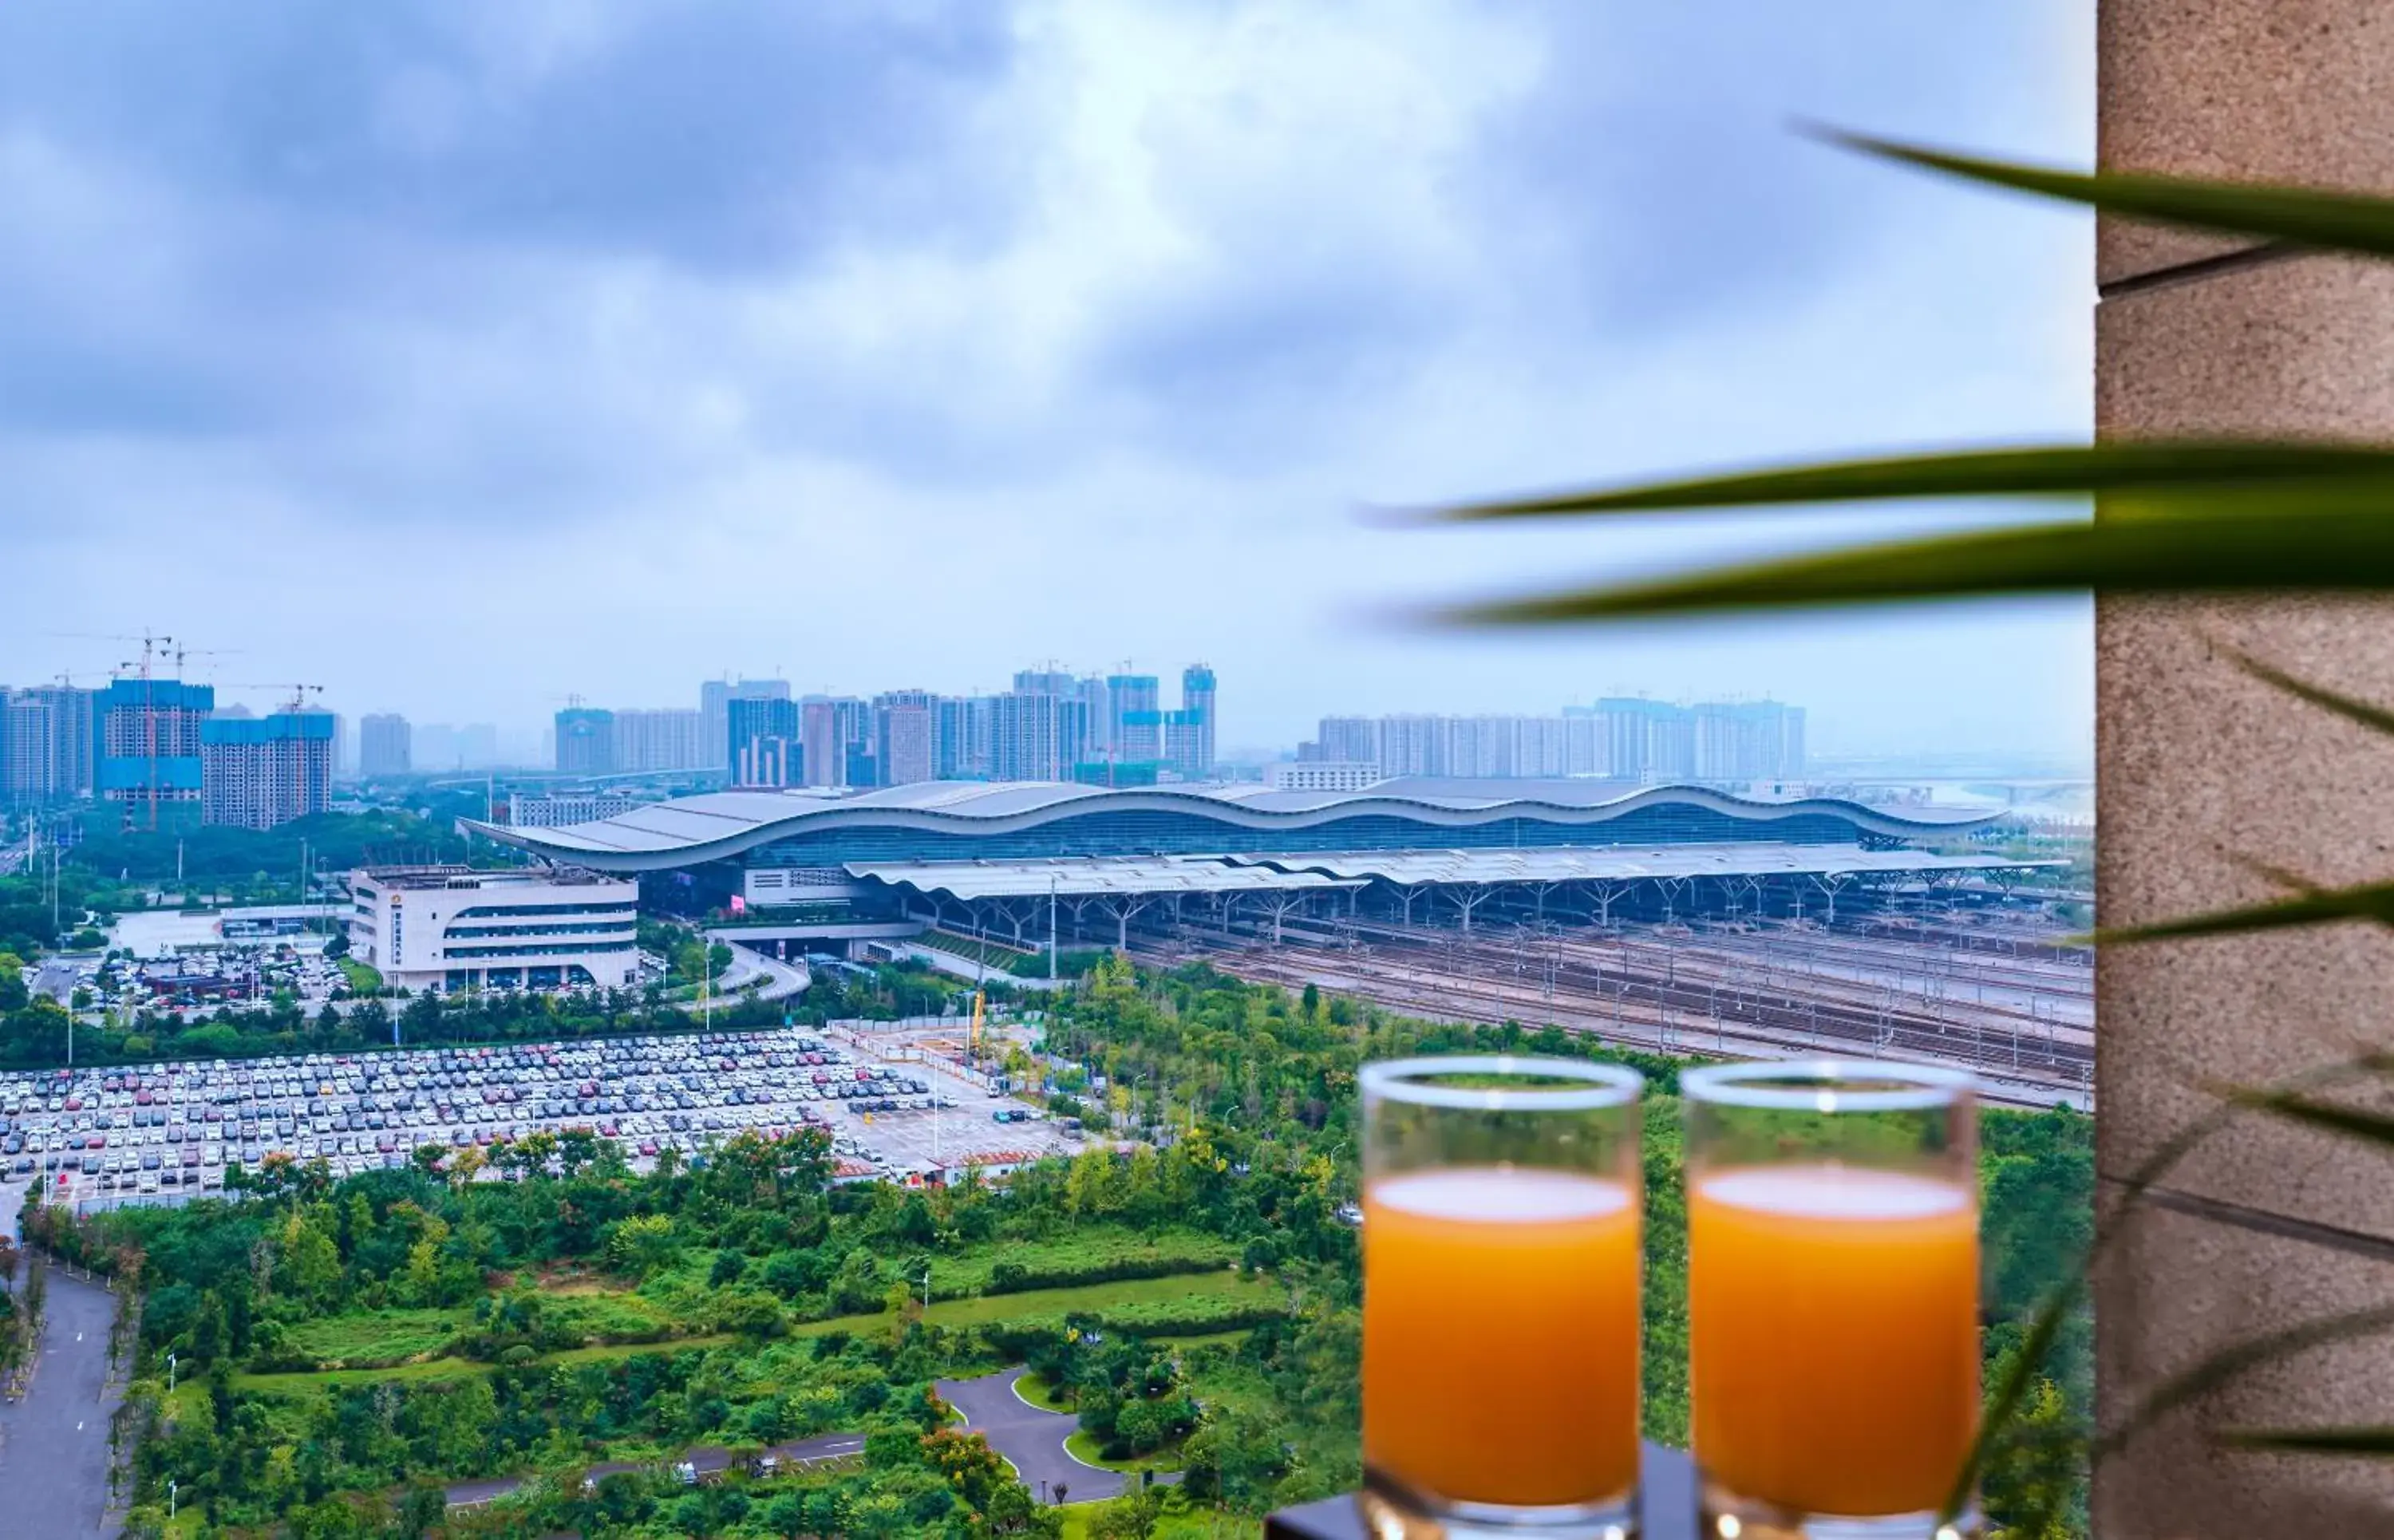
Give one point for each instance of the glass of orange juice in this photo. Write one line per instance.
(1833, 1298)
(1502, 1200)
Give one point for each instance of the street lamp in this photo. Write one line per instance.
(170, 1374)
(174, 1493)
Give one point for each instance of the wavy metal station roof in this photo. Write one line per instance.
(1631, 863)
(1093, 877)
(688, 830)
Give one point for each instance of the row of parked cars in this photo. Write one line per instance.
(178, 1125)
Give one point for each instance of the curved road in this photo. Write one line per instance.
(748, 965)
(54, 1443)
(1031, 1440)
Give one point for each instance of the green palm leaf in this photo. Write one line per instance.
(2305, 216)
(2374, 901)
(2229, 1363)
(2334, 1117)
(2004, 1404)
(2313, 1440)
(2171, 547)
(2058, 470)
(2374, 717)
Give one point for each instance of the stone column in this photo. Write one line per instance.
(2204, 774)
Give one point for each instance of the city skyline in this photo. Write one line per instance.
(902, 735)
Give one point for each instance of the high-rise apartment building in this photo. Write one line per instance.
(1349, 740)
(834, 728)
(1623, 738)
(666, 739)
(1046, 681)
(45, 745)
(1134, 718)
(715, 698)
(1023, 742)
(963, 739)
(1075, 735)
(1648, 741)
(73, 727)
(905, 736)
(1096, 709)
(258, 773)
(761, 738)
(1189, 732)
(146, 747)
(27, 751)
(1748, 741)
(585, 741)
(1411, 746)
(385, 744)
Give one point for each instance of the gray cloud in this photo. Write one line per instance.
(402, 289)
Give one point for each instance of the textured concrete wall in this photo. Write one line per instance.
(2205, 773)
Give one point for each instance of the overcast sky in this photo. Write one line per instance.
(459, 357)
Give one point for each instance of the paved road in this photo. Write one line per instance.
(54, 1444)
(748, 965)
(1032, 1440)
(707, 1459)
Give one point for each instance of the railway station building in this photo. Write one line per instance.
(1023, 861)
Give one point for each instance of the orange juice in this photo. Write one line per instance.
(1833, 1321)
(1500, 1335)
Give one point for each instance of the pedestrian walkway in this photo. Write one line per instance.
(54, 1453)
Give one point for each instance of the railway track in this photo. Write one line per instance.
(1688, 997)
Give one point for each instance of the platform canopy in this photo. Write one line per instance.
(1630, 863)
(1093, 876)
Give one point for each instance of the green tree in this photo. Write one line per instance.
(641, 1245)
(1132, 1516)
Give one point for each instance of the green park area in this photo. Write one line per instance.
(1193, 1301)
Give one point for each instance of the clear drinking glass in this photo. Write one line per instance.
(1502, 1206)
(1832, 1297)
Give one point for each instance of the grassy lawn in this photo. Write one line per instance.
(607, 1315)
(1124, 1298)
(1126, 1304)
(1076, 1257)
(1035, 1389)
(1085, 1258)
(1214, 1339)
(1084, 1449)
(363, 979)
(1172, 1526)
(365, 1340)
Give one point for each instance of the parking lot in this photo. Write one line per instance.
(163, 1131)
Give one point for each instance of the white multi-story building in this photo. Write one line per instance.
(668, 739)
(449, 929)
(1324, 775)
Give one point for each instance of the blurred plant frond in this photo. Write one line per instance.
(2154, 465)
(2315, 217)
(2348, 1441)
(2333, 1117)
(2247, 550)
(2314, 906)
(2375, 718)
(2221, 1367)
